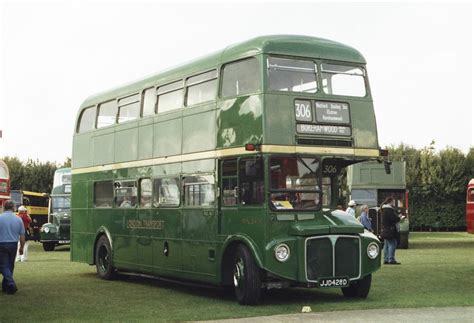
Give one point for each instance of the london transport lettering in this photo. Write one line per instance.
(145, 224)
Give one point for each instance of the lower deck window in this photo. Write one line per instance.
(199, 190)
(103, 194)
(125, 194)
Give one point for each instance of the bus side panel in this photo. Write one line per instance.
(124, 235)
(199, 128)
(126, 143)
(167, 244)
(167, 139)
(82, 154)
(103, 146)
(81, 237)
(239, 121)
(364, 128)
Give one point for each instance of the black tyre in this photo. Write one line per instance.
(103, 259)
(358, 288)
(48, 246)
(403, 244)
(246, 274)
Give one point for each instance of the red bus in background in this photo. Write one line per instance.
(470, 207)
(4, 183)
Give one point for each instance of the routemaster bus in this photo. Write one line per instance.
(226, 170)
(4, 183)
(470, 207)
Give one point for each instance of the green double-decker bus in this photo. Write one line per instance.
(226, 170)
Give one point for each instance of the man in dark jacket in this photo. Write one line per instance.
(389, 231)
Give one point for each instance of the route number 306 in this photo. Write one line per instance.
(302, 111)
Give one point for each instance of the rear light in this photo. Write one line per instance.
(250, 147)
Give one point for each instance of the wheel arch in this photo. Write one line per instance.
(102, 231)
(230, 246)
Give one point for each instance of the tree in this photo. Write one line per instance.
(31, 175)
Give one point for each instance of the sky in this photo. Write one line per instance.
(55, 54)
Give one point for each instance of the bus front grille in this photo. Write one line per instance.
(332, 256)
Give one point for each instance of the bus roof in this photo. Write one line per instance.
(33, 193)
(291, 45)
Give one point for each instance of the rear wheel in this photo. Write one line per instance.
(403, 240)
(48, 246)
(103, 259)
(246, 275)
(358, 288)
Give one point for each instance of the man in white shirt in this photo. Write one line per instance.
(351, 209)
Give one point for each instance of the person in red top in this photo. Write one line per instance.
(23, 214)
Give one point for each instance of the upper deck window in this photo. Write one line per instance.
(149, 102)
(201, 88)
(240, 78)
(291, 75)
(87, 120)
(129, 108)
(170, 96)
(107, 114)
(343, 80)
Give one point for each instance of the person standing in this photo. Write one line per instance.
(389, 231)
(364, 218)
(351, 209)
(24, 216)
(11, 230)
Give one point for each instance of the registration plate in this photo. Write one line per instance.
(64, 241)
(334, 282)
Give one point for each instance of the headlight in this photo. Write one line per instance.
(282, 252)
(45, 229)
(372, 250)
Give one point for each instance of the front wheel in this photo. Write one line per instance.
(358, 288)
(103, 259)
(246, 276)
(48, 246)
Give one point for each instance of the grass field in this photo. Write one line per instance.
(437, 270)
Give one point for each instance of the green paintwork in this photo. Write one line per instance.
(199, 240)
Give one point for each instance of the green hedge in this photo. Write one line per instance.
(437, 182)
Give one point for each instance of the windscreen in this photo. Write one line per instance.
(295, 183)
(61, 203)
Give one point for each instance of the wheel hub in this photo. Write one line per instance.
(238, 272)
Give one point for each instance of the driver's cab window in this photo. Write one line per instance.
(251, 181)
(242, 181)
